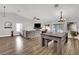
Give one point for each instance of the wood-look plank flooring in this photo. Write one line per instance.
(19, 46)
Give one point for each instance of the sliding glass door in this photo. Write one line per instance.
(58, 28)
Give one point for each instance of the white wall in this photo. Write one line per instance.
(69, 19)
(27, 23)
(14, 18)
(47, 13)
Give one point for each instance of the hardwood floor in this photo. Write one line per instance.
(19, 46)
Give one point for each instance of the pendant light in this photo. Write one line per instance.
(4, 11)
(61, 19)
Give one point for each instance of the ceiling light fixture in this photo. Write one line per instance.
(36, 18)
(61, 19)
(4, 11)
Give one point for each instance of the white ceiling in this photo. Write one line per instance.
(46, 12)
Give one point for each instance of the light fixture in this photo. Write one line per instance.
(61, 19)
(36, 18)
(4, 11)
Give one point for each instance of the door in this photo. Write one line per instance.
(58, 27)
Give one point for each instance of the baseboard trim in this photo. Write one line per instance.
(4, 35)
(7, 35)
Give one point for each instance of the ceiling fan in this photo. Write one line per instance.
(56, 5)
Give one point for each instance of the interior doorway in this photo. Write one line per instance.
(72, 29)
(19, 28)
